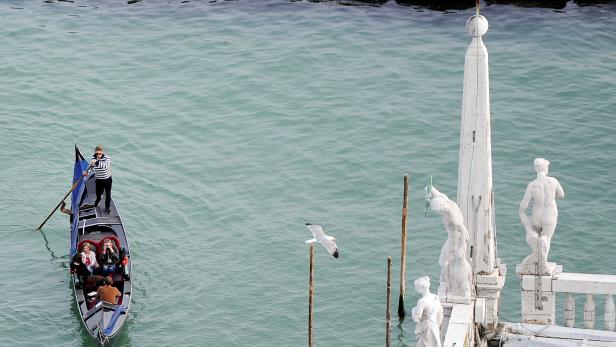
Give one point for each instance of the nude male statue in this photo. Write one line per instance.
(456, 272)
(540, 225)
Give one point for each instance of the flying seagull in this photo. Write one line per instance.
(326, 240)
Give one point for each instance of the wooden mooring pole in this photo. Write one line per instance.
(387, 312)
(401, 312)
(310, 294)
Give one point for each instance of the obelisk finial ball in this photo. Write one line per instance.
(477, 25)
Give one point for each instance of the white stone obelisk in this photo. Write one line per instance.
(475, 165)
(475, 195)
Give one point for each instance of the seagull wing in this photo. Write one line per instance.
(316, 230)
(330, 245)
(326, 241)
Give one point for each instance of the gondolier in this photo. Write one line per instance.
(101, 164)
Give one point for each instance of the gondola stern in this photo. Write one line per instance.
(78, 168)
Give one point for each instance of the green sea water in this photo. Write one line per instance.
(233, 123)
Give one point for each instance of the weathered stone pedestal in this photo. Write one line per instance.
(448, 298)
(538, 297)
(460, 325)
(489, 288)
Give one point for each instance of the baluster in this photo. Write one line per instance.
(570, 311)
(610, 313)
(589, 312)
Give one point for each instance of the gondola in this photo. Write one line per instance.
(94, 225)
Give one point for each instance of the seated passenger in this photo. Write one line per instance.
(108, 293)
(110, 257)
(88, 258)
(78, 268)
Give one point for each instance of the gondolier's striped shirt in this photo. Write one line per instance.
(102, 169)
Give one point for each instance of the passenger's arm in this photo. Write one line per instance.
(114, 255)
(94, 262)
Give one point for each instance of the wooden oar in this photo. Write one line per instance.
(64, 198)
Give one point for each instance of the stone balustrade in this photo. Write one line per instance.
(538, 298)
(589, 285)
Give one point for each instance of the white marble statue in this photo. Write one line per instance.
(428, 314)
(540, 225)
(456, 273)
